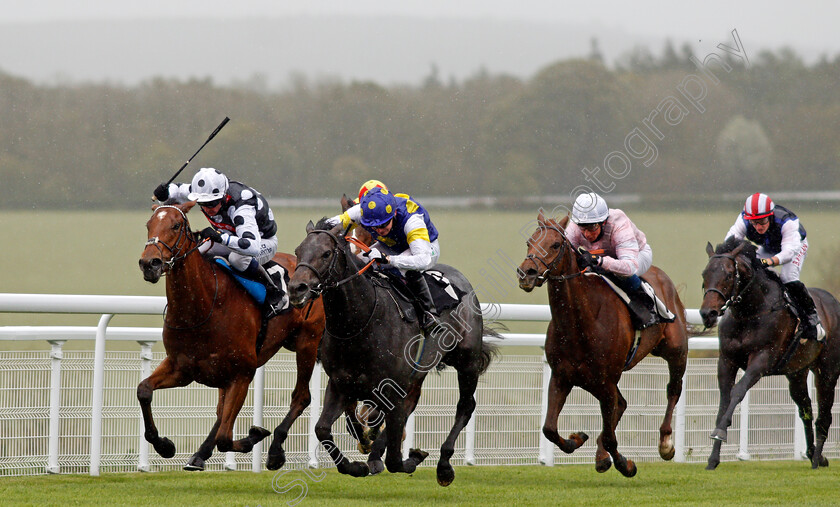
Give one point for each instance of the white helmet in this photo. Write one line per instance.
(590, 208)
(208, 185)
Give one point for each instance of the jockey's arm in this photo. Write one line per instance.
(791, 242)
(352, 216)
(625, 262)
(246, 240)
(419, 256)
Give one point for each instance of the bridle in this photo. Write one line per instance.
(175, 249)
(176, 256)
(549, 266)
(735, 297)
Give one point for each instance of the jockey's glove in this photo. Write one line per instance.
(588, 260)
(767, 263)
(162, 192)
(376, 255)
(211, 234)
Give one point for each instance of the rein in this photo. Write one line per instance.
(734, 298)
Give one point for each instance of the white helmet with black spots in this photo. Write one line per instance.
(590, 208)
(208, 185)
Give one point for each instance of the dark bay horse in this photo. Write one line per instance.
(590, 337)
(756, 335)
(374, 356)
(210, 336)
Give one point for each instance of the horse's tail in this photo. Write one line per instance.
(489, 351)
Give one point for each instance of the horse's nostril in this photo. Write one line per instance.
(155, 263)
(299, 288)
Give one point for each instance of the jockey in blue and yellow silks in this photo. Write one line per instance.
(405, 238)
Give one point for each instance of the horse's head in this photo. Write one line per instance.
(170, 238)
(321, 260)
(548, 251)
(360, 233)
(728, 270)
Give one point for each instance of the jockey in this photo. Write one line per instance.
(405, 238)
(781, 242)
(613, 243)
(366, 187)
(243, 230)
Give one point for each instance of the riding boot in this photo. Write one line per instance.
(426, 312)
(273, 295)
(641, 305)
(811, 327)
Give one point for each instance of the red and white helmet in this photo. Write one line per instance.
(758, 206)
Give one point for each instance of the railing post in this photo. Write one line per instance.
(743, 448)
(679, 425)
(55, 404)
(145, 370)
(546, 447)
(259, 385)
(314, 414)
(800, 448)
(408, 444)
(98, 384)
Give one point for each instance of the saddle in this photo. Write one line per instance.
(257, 288)
(660, 310)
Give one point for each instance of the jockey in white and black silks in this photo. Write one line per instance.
(405, 239)
(781, 241)
(614, 244)
(243, 229)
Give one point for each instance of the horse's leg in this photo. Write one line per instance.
(603, 458)
(164, 377)
(613, 406)
(356, 428)
(377, 449)
(825, 400)
(726, 372)
(305, 359)
(197, 460)
(334, 405)
(395, 420)
(798, 389)
(676, 372)
(558, 390)
(467, 383)
(234, 397)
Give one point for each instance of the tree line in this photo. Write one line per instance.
(770, 125)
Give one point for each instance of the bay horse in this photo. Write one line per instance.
(370, 351)
(210, 336)
(590, 337)
(757, 335)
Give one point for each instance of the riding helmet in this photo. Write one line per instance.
(378, 207)
(758, 206)
(208, 184)
(590, 208)
(366, 186)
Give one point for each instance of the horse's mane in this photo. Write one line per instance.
(323, 224)
(750, 252)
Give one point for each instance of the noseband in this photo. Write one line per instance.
(549, 266)
(331, 272)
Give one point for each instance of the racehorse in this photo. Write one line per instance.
(757, 335)
(590, 338)
(373, 355)
(210, 336)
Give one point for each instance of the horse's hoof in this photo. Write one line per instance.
(417, 455)
(603, 465)
(574, 442)
(821, 462)
(667, 453)
(195, 464)
(718, 434)
(165, 448)
(357, 469)
(445, 474)
(626, 467)
(712, 465)
(257, 434)
(276, 461)
(363, 448)
(376, 467)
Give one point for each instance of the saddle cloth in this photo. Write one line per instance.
(257, 289)
(444, 293)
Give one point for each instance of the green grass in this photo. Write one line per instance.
(96, 252)
(742, 483)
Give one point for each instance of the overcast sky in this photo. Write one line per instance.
(807, 25)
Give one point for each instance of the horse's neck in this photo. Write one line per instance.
(191, 285)
(759, 292)
(573, 299)
(349, 306)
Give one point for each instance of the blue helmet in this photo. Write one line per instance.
(378, 207)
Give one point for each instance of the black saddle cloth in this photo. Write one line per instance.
(444, 293)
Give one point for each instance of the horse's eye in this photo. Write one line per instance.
(176, 227)
(555, 246)
(327, 254)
